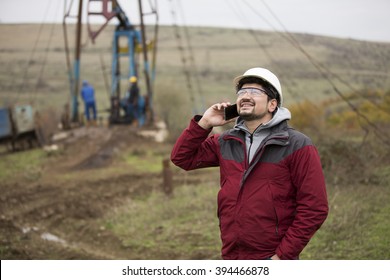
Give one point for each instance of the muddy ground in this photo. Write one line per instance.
(53, 216)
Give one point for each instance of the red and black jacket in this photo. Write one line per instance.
(274, 204)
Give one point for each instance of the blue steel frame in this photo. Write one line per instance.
(132, 37)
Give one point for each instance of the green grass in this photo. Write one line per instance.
(144, 161)
(381, 175)
(357, 226)
(220, 55)
(22, 165)
(183, 226)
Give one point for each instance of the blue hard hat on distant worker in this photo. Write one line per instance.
(265, 75)
(133, 79)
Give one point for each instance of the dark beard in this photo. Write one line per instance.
(252, 117)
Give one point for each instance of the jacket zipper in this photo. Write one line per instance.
(251, 141)
(250, 147)
(248, 166)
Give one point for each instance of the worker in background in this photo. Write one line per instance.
(132, 100)
(88, 96)
(141, 113)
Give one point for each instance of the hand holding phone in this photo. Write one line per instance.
(217, 115)
(230, 112)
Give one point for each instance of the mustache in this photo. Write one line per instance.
(246, 100)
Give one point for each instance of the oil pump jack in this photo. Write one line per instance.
(134, 42)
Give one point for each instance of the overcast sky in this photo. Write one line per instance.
(357, 19)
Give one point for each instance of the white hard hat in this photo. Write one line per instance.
(265, 75)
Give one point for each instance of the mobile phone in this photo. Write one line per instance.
(230, 112)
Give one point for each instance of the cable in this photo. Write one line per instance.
(296, 44)
(153, 7)
(39, 79)
(29, 62)
(238, 12)
(66, 46)
(192, 60)
(106, 84)
(183, 58)
(325, 73)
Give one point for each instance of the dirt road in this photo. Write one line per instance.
(54, 216)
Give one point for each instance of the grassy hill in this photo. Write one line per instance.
(355, 156)
(33, 66)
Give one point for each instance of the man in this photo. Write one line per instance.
(132, 101)
(272, 197)
(88, 96)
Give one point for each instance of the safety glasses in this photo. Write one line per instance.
(251, 91)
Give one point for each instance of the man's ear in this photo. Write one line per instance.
(272, 105)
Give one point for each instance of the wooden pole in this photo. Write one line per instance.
(167, 177)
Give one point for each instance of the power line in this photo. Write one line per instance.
(192, 59)
(29, 62)
(240, 15)
(51, 34)
(183, 58)
(326, 73)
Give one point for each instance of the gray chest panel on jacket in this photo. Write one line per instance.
(274, 151)
(231, 149)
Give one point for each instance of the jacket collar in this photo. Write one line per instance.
(279, 116)
(278, 135)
